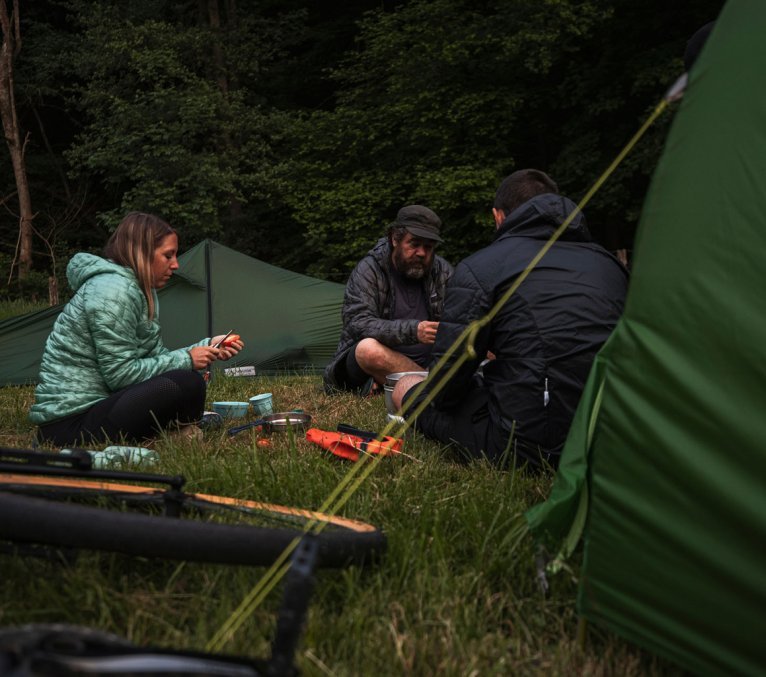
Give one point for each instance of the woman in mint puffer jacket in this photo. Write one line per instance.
(105, 374)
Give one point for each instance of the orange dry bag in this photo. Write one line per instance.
(349, 446)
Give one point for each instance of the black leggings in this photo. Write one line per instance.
(135, 413)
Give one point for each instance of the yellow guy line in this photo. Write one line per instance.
(368, 462)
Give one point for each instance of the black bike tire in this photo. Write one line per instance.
(59, 648)
(28, 519)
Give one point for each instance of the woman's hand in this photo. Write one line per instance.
(230, 346)
(203, 356)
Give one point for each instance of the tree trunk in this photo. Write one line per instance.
(10, 48)
(53, 290)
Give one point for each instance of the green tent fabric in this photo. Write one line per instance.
(22, 340)
(664, 470)
(288, 321)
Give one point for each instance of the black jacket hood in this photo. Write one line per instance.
(542, 215)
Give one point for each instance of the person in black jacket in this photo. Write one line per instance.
(392, 304)
(543, 339)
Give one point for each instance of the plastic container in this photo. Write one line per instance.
(262, 404)
(229, 410)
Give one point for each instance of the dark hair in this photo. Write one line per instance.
(521, 186)
(396, 233)
(132, 245)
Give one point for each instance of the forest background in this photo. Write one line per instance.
(293, 130)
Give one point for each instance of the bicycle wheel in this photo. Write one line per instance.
(53, 649)
(37, 509)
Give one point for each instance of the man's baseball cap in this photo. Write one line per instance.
(419, 221)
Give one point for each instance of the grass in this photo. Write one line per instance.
(16, 307)
(455, 594)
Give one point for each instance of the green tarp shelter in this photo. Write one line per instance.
(664, 471)
(288, 321)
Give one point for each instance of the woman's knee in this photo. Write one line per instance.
(184, 391)
(188, 380)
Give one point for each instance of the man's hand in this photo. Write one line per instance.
(427, 331)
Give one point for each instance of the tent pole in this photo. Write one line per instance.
(209, 289)
(582, 632)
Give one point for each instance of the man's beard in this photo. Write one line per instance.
(412, 270)
(415, 271)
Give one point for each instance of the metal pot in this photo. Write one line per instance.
(392, 379)
(389, 393)
(278, 422)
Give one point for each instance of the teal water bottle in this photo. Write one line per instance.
(117, 457)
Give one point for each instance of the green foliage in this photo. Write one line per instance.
(29, 292)
(430, 110)
(294, 131)
(445, 97)
(171, 128)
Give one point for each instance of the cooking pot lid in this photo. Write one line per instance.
(286, 418)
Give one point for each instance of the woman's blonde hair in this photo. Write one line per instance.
(132, 245)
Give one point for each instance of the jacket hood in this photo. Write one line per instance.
(542, 215)
(82, 267)
(381, 252)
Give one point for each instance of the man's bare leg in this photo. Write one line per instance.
(379, 361)
(402, 386)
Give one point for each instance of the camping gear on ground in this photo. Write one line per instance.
(61, 500)
(117, 456)
(350, 442)
(58, 505)
(229, 410)
(210, 420)
(296, 328)
(664, 470)
(279, 422)
(390, 384)
(262, 404)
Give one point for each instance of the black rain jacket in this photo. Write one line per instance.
(547, 334)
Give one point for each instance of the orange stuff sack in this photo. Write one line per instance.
(350, 446)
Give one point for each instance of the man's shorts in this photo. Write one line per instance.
(350, 376)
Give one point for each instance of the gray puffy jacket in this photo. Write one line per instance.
(369, 299)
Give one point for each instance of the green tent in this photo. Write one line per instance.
(664, 471)
(288, 321)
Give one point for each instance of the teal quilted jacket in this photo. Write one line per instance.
(101, 342)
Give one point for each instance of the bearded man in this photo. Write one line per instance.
(392, 305)
(543, 339)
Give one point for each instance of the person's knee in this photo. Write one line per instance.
(189, 381)
(370, 354)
